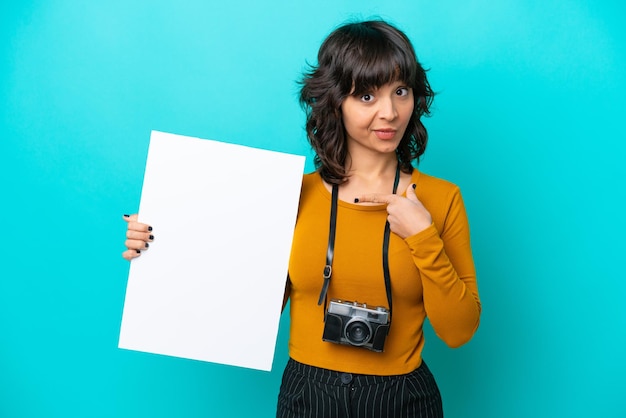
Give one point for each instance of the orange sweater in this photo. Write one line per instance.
(432, 274)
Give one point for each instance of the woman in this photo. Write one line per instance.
(378, 245)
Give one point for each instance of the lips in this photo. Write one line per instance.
(385, 134)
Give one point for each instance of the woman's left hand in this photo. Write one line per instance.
(407, 215)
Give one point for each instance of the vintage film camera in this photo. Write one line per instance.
(356, 324)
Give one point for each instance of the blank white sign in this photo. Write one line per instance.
(211, 285)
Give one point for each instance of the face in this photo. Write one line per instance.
(376, 121)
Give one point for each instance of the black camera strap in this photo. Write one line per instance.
(328, 268)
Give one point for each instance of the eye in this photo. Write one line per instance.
(367, 98)
(402, 91)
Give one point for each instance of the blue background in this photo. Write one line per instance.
(529, 121)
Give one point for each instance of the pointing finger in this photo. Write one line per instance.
(376, 198)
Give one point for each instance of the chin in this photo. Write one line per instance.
(390, 147)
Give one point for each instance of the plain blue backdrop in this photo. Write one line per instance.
(529, 121)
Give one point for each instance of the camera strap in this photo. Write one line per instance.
(330, 252)
(328, 268)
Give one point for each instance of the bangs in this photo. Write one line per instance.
(373, 59)
(378, 70)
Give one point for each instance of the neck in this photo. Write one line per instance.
(372, 168)
(369, 176)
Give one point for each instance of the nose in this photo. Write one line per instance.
(387, 108)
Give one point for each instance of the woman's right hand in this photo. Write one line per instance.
(138, 237)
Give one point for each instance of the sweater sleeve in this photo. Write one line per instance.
(443, 256)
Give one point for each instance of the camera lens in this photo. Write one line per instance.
(358, 332)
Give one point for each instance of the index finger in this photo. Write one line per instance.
(376, 198)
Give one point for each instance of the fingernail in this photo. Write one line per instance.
(151, 237)
(356, 200)
(414, 186)
(147, 245)
(149, 228)
(138, 252)
(126, 216)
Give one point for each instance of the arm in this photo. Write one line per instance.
(443, 257)
(445, 262)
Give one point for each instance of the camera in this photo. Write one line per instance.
(356, 324)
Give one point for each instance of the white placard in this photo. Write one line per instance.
(211, 285)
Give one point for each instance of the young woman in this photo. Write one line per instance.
(378, 245)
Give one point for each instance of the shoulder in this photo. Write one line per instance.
(441, 197)
(310, 183)
(433, 185)
(312, 193)
(310, 178)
